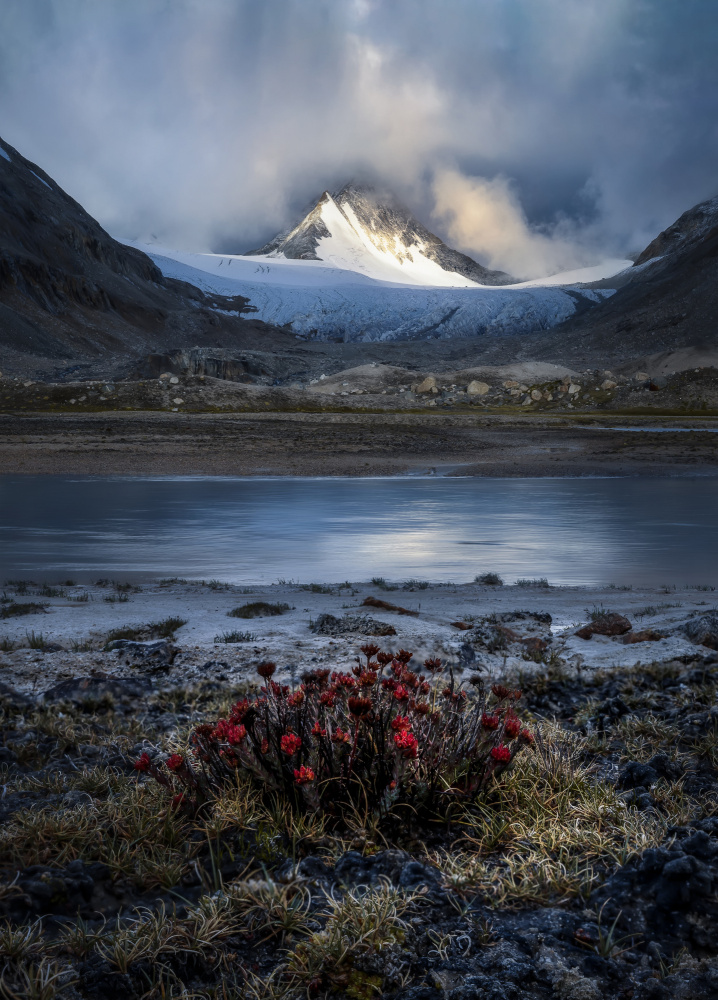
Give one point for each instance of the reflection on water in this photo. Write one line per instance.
(640, 531)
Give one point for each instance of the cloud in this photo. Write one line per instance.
(485, 218)
(211, 123)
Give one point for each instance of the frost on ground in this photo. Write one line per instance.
(489, 629)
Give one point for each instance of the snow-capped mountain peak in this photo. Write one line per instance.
(357, 229)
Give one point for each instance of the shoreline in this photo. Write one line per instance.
(354, 444)
(76, 627)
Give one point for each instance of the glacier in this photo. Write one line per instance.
(320, 302)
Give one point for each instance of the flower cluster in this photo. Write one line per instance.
(385, 735)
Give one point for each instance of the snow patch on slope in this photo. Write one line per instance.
(349, 247)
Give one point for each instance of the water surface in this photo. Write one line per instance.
(573, 531)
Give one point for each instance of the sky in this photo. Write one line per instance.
(535, 135)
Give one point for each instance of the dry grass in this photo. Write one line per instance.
(549, 830)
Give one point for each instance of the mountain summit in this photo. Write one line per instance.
(357, 229)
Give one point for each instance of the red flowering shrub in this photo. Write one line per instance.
(340, 741)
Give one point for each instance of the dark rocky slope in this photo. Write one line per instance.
(70, 293)
(668, 301)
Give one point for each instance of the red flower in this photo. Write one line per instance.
(369, 650)
(317, 730)
(290, 743)
(403, 655)
(424, 687)
(512, 727)
(388, 683)
(401, 723)
(360, 707)
(174, 762)
(384, 658)
(339, 737)
(304, 775)
(229, 757)
(489, 721)
(400, 693)
(235, 735)
(501, 754)
(500, 691)
(526, 736)
(327, 698)
(408, 744)
(220, 730)
(266, 669)
(278, 690)
(422, 708)
(345, 680)
(144, 763)
(238, 711)
(367, 678)
(433, 665)
(296, 699)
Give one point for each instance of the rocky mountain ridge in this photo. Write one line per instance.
(374, 221)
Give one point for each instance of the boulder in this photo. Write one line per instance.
(646, 635)
(703, 631)
(350, 624)
(608, 624)
(157, 652)
(428, 385)
(84, 689)
(475, 388)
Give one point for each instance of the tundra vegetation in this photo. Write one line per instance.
(389, 831)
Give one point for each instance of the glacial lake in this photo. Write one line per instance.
(647, 532)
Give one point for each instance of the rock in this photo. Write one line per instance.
(700, 845)
(646, 635)
(665, 767)
(158, 653)
(641, 376)
(609, 624)
(608, 384)
(397, 866)
(654, 384)
(703, 631)
(14, 698)
(428, 385)
(635, 774)
(101, 981)
(94, 689)
(475, 388)
(349, 624)
(573, 389)
(536, 394)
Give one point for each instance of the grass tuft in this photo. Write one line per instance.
(258, 609)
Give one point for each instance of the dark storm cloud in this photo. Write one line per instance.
(533, 130)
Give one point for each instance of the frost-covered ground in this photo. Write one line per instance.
(321, 302)
(289, 640)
